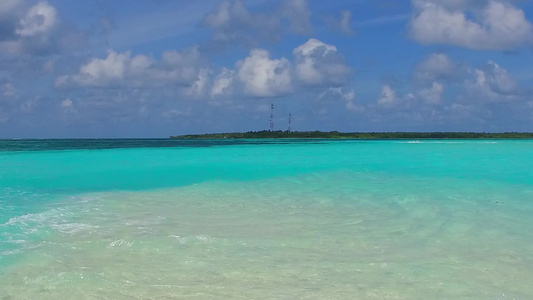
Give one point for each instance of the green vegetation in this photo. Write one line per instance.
(356, 135)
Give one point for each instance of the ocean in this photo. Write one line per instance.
(266, 219)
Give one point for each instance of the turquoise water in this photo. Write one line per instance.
(317, 219)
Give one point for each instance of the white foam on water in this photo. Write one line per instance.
(73, 228)
(37, 218)
(120, 243)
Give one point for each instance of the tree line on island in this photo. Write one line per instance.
(266, 134)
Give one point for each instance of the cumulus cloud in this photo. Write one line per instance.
(103, 72)
(125, 70)
(492, 83)
(264, 77)
(258, 75)
(315, 64)
(337, 92)
(223, 83)
(498, 79)
(433, 94)
(67, 106)
(344, 95)
(495, 25)
(199, 87)
(318, 63)
(472, 86)
(40, 19)
(432, 73)
(36, 30)
(232, 22)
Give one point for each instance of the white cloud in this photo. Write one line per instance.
(311, 46)
(492, 84)
(264, 77)
(228, 20)
(101, 72)
(337, 92)
(199, 86)
(66, 104)
(489, 83)
(388, 97)
(124, 70)
(36, 30)
(223, 83)
(342, 94)
(318, 63)
(431, 73)
(349, 96)
(498, 79)
(233, 23)
(315, 64)
(437, 66)
(497, 25)
(352, 106)
(258, 75)
(225, 12)
(433, 94)
(346, 22)
(342, 23)
(40, 19)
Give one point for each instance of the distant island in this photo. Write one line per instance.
(265, 134)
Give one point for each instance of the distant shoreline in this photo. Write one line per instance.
(354, 135)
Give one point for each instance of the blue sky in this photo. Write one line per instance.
(154, 68)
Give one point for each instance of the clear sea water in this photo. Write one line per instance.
(269, 219)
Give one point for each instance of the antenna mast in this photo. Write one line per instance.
(290, 119)
(271, 117)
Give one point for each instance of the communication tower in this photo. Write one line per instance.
(271, 117)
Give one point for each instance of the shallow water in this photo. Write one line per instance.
(267, 220)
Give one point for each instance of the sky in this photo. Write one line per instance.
(155, 68)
